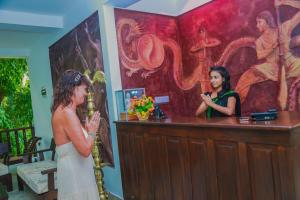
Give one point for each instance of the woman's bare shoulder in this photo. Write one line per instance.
(64, 123)
(59, 125)
(63, 114)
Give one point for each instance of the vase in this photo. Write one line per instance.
(142, 116)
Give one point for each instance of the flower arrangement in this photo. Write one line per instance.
(142, 107)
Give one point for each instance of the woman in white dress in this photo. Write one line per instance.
(75, 173)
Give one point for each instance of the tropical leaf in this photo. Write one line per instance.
(15, 91)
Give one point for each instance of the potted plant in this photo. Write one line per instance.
(141, 107)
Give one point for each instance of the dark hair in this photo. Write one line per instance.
(65, 87)
(225, 74)
(268, 17)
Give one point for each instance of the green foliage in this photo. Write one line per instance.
(15, 100)
(11, 74)
(13, 141)
(19, 116)
(15, 104)
(141, 105)
(4, 121)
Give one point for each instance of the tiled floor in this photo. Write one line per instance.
(16, 195)
(20, 195)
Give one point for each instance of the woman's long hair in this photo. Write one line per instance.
(225, 75)
(65, 86)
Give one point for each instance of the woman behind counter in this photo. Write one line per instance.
(222, 101)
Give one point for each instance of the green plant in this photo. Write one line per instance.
(142, 105)
(15, 99)
(14, 91)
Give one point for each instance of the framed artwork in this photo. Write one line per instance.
(130, 93)
(80, 49)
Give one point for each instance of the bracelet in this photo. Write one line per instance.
(93, 135)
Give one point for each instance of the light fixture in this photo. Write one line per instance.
(43, 92)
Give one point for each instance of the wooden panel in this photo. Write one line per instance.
(294, 164)
(156, 161)
(128, 164)
(199, 169)
(227, 170)
(264, 173)
(217, 159)
(286, 175)
(244, 177)
(178, 163)
(211, 157)
(141, 171)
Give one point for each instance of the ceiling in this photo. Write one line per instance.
(26, 15)
(46, 7)
(167, 7)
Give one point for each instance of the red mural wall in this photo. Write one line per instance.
(171, 56)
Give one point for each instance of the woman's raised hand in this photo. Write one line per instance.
(92, 124)
(206, 99)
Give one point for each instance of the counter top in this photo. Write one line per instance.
(286, 121)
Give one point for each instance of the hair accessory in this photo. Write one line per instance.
(77, 78)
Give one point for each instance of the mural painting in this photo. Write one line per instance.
(80, 49)
(149, 50)
(256, 40)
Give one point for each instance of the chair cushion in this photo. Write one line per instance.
(31, 175)
(3, 169)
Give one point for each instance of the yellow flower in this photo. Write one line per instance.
(142, 105)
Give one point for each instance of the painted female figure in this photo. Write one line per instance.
(201, 49)
(267, 50)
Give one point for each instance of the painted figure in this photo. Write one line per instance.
(202, 50)
(95, 59)
(146, 52)
(139, 51)
(127, 100)
(291, 63)
(267, 51)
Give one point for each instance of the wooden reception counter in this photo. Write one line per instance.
(216, 159)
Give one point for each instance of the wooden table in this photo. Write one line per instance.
(216, 159)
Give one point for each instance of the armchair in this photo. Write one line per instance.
(34, 174)
(5, 176)
(30, 146)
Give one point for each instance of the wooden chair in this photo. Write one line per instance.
(30, 146)
(33, 174)
(5, 176)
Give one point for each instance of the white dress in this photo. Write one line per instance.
(75, 174)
